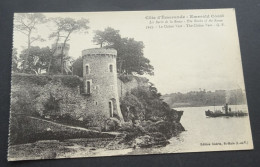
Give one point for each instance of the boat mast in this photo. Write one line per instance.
(214, 103)
(235, 101)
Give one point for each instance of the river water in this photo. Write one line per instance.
(207, 134)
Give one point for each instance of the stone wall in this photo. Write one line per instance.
(126, 83)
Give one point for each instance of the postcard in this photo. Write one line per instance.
(91, 84)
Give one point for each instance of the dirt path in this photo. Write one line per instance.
(75, 127)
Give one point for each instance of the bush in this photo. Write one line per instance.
(21, 79)
(112, 124)
(47, 95)
(71, 81)
(144, 103)
(95, 119)
(131, 108)
(126, 78)
(24, 100)
(41, 80)
(126, 126)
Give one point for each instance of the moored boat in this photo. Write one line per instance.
(227, 112)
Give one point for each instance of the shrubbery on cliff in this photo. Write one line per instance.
(38, 94)
(52, 97)
(144, 103)
(149, 120)
(71, 81)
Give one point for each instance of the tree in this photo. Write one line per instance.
(78, 67)
(53, 50)
(64, 28)
(37, 59)
(108, 37)
(130, 57)
(26, 23)
(14, 60)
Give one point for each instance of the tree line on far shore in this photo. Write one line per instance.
(205, 98)
(42, 60)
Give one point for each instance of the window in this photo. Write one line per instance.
(88, 87)
(111, 68)
(87, 69)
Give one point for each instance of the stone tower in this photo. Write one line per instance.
(100, 81)
(59, 49)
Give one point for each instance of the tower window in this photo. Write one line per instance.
(88, 87)
(87, 69)
(111, 68)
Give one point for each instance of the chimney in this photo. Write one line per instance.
(226, 108)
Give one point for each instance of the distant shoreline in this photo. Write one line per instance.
(174, 107)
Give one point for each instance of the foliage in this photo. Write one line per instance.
(64, 28)
(51, 106)
(46, 95)
(15, 61)
(26, 23)
(41, 80)
(54, 65)
(126, 78)
(132, 109)
(130, 58)
(26, 79)
(144, 103)
(37, 60)
(205, 98)
(70, 81)
(24, 100)
(69, 25)
(107, 37)
(150, 98)
(78, 67)
(95, 119)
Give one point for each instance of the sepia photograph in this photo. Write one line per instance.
(94, 84)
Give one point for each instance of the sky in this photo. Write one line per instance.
(184, 59)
